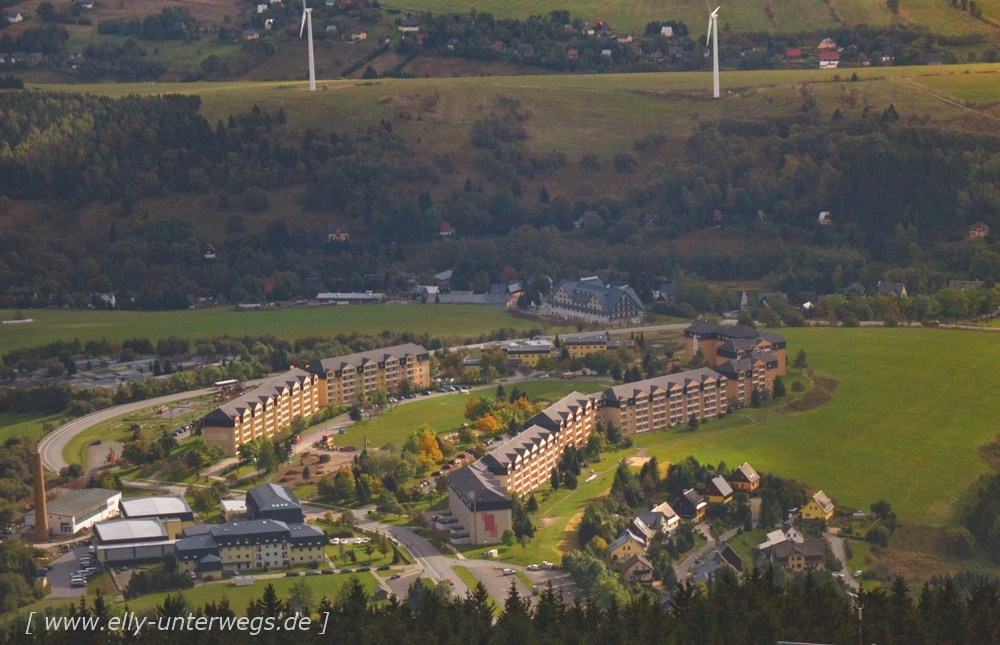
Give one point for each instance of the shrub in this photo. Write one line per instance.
(626, 163)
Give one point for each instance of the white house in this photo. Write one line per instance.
(667, 31)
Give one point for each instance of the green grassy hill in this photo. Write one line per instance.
(740, 15)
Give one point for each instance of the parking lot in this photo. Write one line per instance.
(62, 569)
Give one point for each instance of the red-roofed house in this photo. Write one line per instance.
(793, 52)
(829, 59)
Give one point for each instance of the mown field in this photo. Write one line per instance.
(26, 425)
(569, 112)
(439, 320)
(904, 424)
(740, 15)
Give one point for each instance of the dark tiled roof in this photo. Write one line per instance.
(272, 497)
(225, 414)
(478, 489)
(745, 473)
(581, 293)
(357, 360)
(810, 549)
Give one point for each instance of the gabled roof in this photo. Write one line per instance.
(810, 549)
(823, 501)
(225, 414)
(625, 537)
(477, 489)
(745, 473)
(665, 510)
(730, 557)
(637, 559)
(889, 288)
(718, 486)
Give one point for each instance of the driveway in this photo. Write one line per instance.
(837, 546)
(684, 568)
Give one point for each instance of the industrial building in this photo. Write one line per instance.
(131, 541)
(77, 510)
(172, 511)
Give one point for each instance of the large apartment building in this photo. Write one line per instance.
(346, 378)
(664, 401)
(750, 359)
(523, 463)
(264, 411)
(590, 300)
(581, 345)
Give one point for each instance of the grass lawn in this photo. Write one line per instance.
(240, 597)
(442, 413)
(555, 389)
(896, 412)
(26, 425)
(290, 323)
(745, 544)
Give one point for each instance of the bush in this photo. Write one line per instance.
(256, 200)
(626, 162)
(878, 535)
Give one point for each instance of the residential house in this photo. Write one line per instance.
(800, 556)
(14, 18)
(627, 545)
(409, 25)
(793, 53)
(787, 533)
(84, 4)
(624, 40)
(261, 8)
(446, 230)
(589, 300)
(581, 345)
(853, 289)
(358, 35)
(443, 278)
(827, 44)
(573, 54)
(691, 506)
(331, 29)
(824, 219)
(979, 229)
(829, 59)
(338, 233)
(897, 289)
(527, 353)
(667, 292)
(209, 253)
(657, 57)
(745, 478)
(670, 520)
(638, 569)
(818, 508)
(718, 491)
(606, 53)
(667, 30)
(250, 34)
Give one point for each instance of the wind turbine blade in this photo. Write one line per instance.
(709, 36)
(716, 12)
(302, 28)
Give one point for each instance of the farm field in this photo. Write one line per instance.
(568, 111)
(972, 87)
(788, 15)
(440, 320)
(904, 424)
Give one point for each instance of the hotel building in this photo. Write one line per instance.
(664, 401)
(344, 378)
(263, 412)
(750, 359)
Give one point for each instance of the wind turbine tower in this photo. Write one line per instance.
(307, 18)
(713, 35)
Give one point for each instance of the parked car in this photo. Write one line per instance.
(384, 567)
(292, 574)
(396, 576)
(533, 567)
(451, 582)
(362, 569)
(313, 572)
(346, 571)
(192, 575)
(327, 572)
(77, 583)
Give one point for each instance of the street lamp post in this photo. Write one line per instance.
(856, 602)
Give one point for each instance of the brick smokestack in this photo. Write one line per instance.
(41, 514)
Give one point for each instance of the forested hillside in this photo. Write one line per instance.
(737, 199)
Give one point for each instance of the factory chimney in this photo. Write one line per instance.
(41, 513)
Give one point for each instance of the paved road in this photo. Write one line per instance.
(62, 569)
(53, 444)
(837, 546)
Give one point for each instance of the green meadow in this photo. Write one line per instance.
(905, 423)
(742, 15)
(439, 320)
(26, 425)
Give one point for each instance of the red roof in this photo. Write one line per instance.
(446, 227)
(829, 55)
(793, 52)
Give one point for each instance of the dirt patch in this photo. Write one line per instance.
(548, 521)
(569, 541)
(319, 463)
(990, 453)
(820, 394)
(636, 461)
(920, 552)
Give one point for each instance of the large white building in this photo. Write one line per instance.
(77, 510)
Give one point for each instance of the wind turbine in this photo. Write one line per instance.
(713, 35)
(307, 17)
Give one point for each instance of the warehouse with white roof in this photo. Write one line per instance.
(131, 541)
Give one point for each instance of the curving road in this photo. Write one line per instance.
(52, 445)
